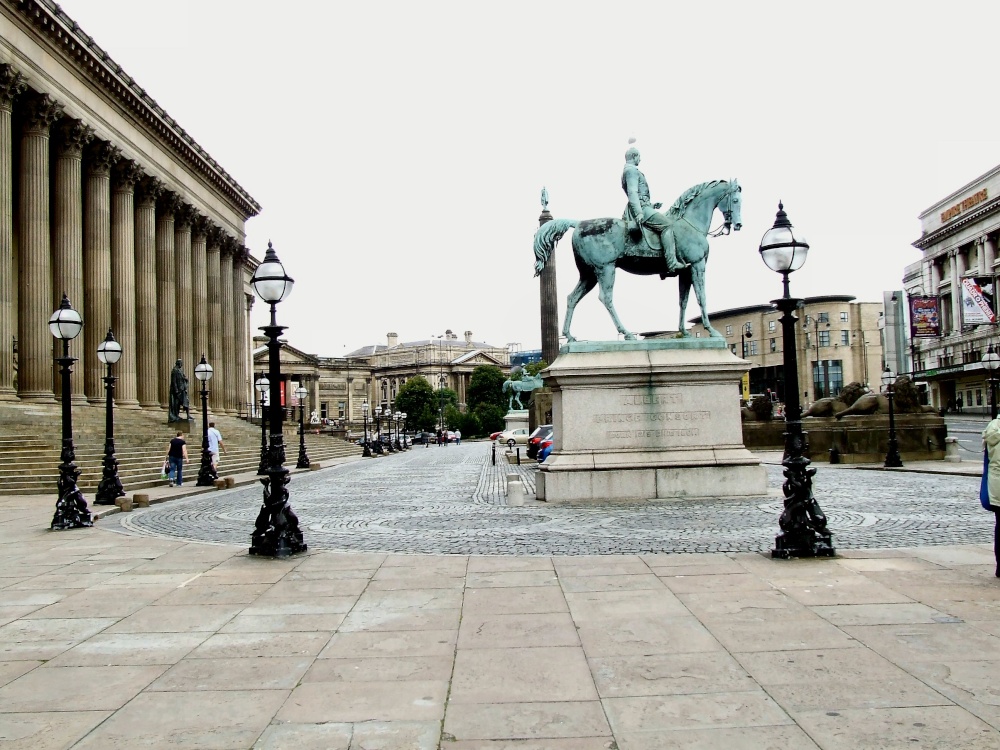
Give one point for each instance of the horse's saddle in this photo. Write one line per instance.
(638, 232)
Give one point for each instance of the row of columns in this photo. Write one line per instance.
(130, 255)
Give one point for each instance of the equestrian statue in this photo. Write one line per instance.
(516, 387)
(645, 241)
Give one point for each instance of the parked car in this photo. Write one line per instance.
(545, 449)
(514, 437)
(495, 435)
(535, 438)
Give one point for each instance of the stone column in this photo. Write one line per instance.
(183, 218)
(980, 246)
(146, 307)
(989, 253)
(227, 327)
(34, 341)
(101, 156)
(214, 326)
(956, 293)
(12, 84)
(199, 290)
(123, 281)
(67, 237)
(239, 378)
(166, 290)
(248, 390)
(549, 301)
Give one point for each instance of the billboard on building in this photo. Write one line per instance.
(925, 317)
(978, 300)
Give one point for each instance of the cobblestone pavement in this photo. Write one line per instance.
(450, 501)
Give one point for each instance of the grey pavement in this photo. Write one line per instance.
(115, 639)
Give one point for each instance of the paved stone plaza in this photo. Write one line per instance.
(451, 501)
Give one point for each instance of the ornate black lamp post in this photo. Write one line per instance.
(892, 459)
(206, 474)
(263, 385)
(387, 416)
(803, 525)
(402, 419)
(395, 421)
(991, 361)
(367, 452)
(303, 462)
(71, 507)
(276, 531)
(444, 435)
(110, 489)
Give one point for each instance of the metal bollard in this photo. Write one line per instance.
(494, 454)
(518, 456)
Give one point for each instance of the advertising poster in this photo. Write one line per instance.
(978, 301)
(925, 318)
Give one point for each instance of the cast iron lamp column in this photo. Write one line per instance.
(892, 459)
(206, 475)
(387, 416)
(276, 531)
(402, 417)
(110, 489)
(803, 525)
(262, 385)
(367, 452)
(395, 419)
(991, 361)
(303, 462)
(71, 507)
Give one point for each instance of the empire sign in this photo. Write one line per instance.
(964, 205)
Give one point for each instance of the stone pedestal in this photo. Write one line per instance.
(182, 425)
(641, 420)
(515, 419)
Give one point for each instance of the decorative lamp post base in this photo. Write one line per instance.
(206, 474)
(71, 507)
(110, 488)
(803, 525)
(276, 531)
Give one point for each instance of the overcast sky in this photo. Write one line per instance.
(399, 148)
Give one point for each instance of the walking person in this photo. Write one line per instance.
(215, 444)
(991, 443)
(458, 437)
(177, 456)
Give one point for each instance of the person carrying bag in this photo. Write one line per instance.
(989, 487)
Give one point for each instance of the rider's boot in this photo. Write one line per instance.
(670, 253)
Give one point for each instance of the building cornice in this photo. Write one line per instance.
(97, 66)
(954, 227)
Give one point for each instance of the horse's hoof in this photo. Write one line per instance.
(630, 337)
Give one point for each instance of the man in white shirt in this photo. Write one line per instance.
(214, 446)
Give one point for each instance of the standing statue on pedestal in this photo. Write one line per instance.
(645, 242)
(178, 395)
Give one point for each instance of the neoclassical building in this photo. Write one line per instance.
(952, 292)
(106, 198)
(338, 386)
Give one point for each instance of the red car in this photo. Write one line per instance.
(536, 438)
(495, 435)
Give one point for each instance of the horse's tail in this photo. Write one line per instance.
(546, 238)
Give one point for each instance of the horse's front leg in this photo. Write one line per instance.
(586, 283)
(606, 278)
(683, 289)
(698, 278)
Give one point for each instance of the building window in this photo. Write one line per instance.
(753, 348)
(771, 326)
(844, 317)
(748, 327)
(341, 409)
(774, 345)
(979, 397)
(729, 330)
(828, 378)
(824, 338)
(322, 410)
(823, 317)
(845, 338)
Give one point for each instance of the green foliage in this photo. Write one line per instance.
(490, 417)
(419, 401)
(486, 388)
(446, 397)
(533, 368)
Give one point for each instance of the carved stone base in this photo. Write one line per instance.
(183, 425)
(641, 420)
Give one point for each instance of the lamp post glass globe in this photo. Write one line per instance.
(262, 385)
(270, 282)
(203, 371)
(782, 248)
(109, 351)
(65, 323)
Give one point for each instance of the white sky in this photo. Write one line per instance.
(399, 148)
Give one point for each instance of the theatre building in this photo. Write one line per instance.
(104, 197)
(951, 293)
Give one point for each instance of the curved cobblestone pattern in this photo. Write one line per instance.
(450, 501)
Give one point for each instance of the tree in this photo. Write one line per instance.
(533, 368)
(486, 387)
(420, 402)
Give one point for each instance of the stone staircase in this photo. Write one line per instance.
(31, 441)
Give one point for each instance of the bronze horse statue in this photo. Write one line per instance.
(601, 246)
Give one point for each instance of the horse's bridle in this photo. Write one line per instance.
(727, 212)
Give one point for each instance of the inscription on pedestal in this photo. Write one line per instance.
(671, 425)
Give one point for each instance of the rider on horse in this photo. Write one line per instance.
(656, 228)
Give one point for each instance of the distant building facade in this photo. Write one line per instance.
(951, 293)
(837, 341)
(338, 386)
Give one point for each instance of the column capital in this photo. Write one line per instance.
(201, 226)
(40, 111)
(101, 156)
(168, 203)
(184, 216)
(12, 85)
(215, 235)
(74, 135)
(228, 245)
(127, 176)
(147, 191)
